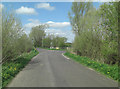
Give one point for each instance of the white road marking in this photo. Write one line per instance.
(65, 56)
(91, 69)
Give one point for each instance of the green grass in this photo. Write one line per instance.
(108, 70)
(11, 68)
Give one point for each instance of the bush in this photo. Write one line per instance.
(14, 40)
(88, 44)
(110, 52)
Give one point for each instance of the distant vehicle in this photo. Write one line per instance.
(57, 48)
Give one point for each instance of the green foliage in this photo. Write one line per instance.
(47, 41)
(54, 41)
(11, 68)
(59, 41)
(88, 44)
(110, 71)
(13, 37)
(110, 52)
(109, 16)
(68, 44)
(76, 15)
(96, 31)
(24, 43)
(37, 34)
(88, 41)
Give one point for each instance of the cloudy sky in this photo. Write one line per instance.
(53, 13)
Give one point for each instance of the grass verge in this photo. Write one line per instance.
(108, 70)
(11, 68)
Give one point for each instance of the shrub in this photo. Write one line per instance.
(14, 40)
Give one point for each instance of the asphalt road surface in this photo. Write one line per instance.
(51, 69)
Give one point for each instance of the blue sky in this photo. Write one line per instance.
(53, 13)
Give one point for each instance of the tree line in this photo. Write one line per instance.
(41, 39)
(96, 31)
(15, 41)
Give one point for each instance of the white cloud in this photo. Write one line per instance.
(63, 33)
(34, 20)
(26, 10)
(58, 24)
(55, 32)
(56, 28)
(45, 6)
(1, 6)
(31, 24)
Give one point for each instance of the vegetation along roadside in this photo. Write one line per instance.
(109, 70)
(11, 68)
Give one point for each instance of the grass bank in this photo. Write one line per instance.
(11, 68)
(108, 70)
